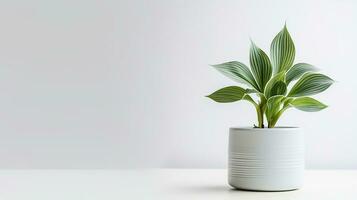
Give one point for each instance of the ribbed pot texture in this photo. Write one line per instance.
(266, 159)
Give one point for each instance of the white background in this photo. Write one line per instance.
(116, 84)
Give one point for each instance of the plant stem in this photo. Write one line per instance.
(275, 119)
(272, 123)
(260, 117)
(260, 111)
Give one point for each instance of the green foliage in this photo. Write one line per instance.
(297, 71)
(310, 84)
(260, 65)
(269, 79)
(307, 104)
(273, 106)
(228, 94)
(282, 51)
(238, 72)
(275, 86)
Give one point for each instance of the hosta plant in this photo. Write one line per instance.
(276, 82)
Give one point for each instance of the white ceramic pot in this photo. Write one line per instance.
(269, 159)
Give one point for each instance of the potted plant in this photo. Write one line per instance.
(266, 157)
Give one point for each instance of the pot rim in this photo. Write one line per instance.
(246, 128)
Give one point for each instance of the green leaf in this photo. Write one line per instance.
(250, 99)
(237, 71)
(228, 94)
(260, 65)
(282, 51)
(310, 84)
(275, 86)
(296, 71)
(274, 104)
(307, 104)
(279, 88)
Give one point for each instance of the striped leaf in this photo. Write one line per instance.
(296, 71)
(274, 104)
(228, 94)
(279, 88)
(275, 86)
(282, 51)
(307, 104)
(310, 84)
(260, 65)
(237, 71)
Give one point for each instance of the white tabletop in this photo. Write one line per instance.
(186, 184)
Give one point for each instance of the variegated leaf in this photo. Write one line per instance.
(237, 71)
(275, 86)
(296, 71)
(310, 84)
(307, 104)
(282, 51)
(260, 65)
(228, 94)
